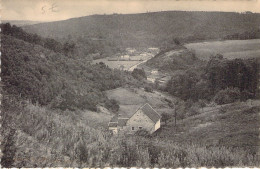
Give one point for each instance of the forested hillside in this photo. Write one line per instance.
(149, 29)
(220, 80)
(34, 70)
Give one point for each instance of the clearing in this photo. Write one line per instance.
(230, 49)
(130, 99)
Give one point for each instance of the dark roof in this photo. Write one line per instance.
(150, 112)
(112, 124)
(122, 122)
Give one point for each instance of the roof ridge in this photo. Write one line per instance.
(136, 110)
(154, 110)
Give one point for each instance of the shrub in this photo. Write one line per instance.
(148, 89)
(228, 95)
(112, 105)
(139, 74)
(142, 132)
(165, 117)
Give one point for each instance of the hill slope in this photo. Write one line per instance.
(20, 22)
(150, 28)
(176, 58)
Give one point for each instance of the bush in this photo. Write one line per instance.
(165, 117)
(148, 89)
(112, 105)
(139, 74)
(142, 132)
(228, 95)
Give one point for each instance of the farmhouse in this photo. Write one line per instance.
(145, 118)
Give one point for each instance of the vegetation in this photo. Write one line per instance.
(51, 93)
(112, 105)
(35, 73)
(147, 29)
(48, 43)
(139, 74)
(230, 49)
(245, 35)
(63, 138)
(175, 57)
(219, 77)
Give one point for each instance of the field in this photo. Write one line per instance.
(230, 49)
(131, 99)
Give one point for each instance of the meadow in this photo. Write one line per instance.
(130, 99)
(230, 49)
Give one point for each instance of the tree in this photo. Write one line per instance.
(112, 105)
(148, 88)
(228, 95)
(165, 117)
(139, 74)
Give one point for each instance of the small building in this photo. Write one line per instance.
(145, 117)
(124, 57)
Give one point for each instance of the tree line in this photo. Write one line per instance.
(218, 79)
(17, 32)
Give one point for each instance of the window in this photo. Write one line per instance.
(133, 128)
(140, 127)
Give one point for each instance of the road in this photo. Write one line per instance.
(135, 66)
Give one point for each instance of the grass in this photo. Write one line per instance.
(48, 138)
(230, 49)
(235, 124)
(132, 98)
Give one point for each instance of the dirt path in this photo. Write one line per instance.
(135, 66)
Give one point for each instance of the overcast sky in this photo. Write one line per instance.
(51, 10)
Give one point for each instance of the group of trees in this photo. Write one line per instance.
(17, 32)
(254, 34)
(221, 79)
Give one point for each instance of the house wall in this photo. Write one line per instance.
(157, 125)
(139, 119)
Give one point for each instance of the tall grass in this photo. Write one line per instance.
(47, 138)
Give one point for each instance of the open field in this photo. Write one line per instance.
(235, 124)
(230, 49)
(131, 99)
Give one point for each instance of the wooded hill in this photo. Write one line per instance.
(34, 70)
(149, 29)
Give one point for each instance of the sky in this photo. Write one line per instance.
(53, 10)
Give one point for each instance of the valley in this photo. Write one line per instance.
(64, 81)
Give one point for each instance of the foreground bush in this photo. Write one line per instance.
(228, 95)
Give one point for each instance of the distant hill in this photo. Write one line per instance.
(20, 22)
(149, 29)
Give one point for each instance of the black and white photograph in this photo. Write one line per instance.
(130, 83)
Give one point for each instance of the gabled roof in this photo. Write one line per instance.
(150, 112)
